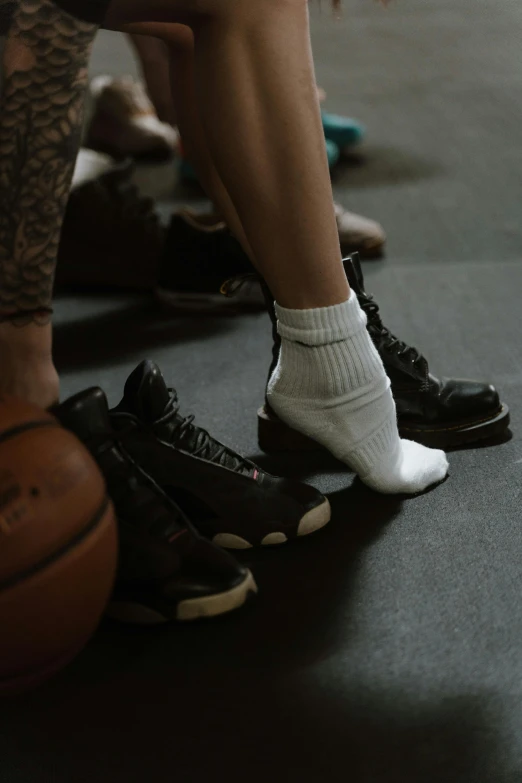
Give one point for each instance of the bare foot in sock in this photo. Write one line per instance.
(330, 384)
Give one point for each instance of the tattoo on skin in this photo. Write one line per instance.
(41, 112)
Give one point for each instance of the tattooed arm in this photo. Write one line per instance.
(41, 108)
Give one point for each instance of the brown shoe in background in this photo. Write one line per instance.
(359, 234)
(125, 124)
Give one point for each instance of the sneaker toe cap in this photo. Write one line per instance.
(205, 570)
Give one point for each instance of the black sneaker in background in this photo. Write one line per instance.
(199, 256)
(167, 571)
(228, 498)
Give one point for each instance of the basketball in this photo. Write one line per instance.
(58, 545)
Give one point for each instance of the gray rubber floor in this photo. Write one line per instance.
(387, 648)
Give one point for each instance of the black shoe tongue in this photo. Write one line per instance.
(146, 394)
(86, 414)
(353, 269)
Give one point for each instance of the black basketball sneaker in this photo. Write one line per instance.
(438, 412)
(167, 571)
(228, 498)
(199, 255)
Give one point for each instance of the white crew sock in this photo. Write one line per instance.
(330, 384)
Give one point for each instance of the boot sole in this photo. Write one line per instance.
(190, 609)
(275, 436)
(313, 520)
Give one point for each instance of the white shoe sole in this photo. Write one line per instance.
(313, 520)
(191, 609)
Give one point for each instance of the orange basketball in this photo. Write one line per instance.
(58, 545)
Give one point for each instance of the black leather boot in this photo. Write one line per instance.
(443, 413)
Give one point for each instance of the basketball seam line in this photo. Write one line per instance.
(21, 428)
(50, 559)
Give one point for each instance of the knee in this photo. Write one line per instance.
(179, 38)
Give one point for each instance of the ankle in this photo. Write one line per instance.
(26, 364)
(325, 353)
(32, 337)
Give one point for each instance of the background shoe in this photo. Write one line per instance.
(227, 497)
(111, 235)
(125, 124)
(342, 131)
(90, 165)
(187, 172)
(441, 413)
(166, 570)
(359, 234)
(199, 256)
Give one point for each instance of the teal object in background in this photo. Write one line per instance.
(186, 171)
(343, 131)
(332, 152)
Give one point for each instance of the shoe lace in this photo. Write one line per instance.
(202, 444)
(386, 338)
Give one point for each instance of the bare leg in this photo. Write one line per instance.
(258, 106)
(178, 51)
(182, 80)
(154, 60)
(45, 74)
(256, 93)
(271, 112)
(176, 97)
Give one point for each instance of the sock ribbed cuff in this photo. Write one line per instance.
(321, 325)
(323, 371)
